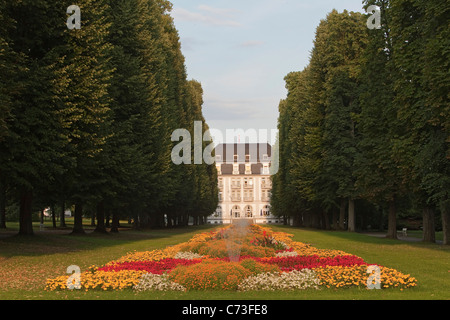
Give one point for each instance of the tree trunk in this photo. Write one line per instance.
(25, 212)
(78, 219)
(93, 216)
(326, 220)
(429, 234)
(136, 215)
(52, 208)
(351, 215)
(297, 220)
(62, 215)
(334, 219)
(342, 214)
(445, 215)
(100, 214)
(169, 221)
(144, 220)
(115, 222)
(108, 217)
(392, 221)
(2, 206)
(381, 221)
(315, 220)
(308, 219)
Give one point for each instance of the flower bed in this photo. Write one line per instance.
(235, 258)
(155, 267)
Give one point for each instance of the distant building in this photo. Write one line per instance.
(244, 183)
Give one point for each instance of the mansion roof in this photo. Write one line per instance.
(255, 155)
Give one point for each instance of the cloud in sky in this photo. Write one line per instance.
(241, 52)
(207, 15)
(251, 43)
(227, 12)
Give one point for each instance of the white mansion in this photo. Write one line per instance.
(244, 183)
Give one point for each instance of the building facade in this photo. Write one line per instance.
(244, 183)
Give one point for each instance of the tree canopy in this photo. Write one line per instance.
(87, 115)
(364, 127)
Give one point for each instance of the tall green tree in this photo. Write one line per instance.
(291, 193)
(339, 43)
(87, 100)
(379, 178)
(8, 60)
(422, 98)
(132, 115)
(33, 149)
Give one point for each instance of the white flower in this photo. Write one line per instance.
(188, 255)
(271, 281)
(156, 282)
(286, 254)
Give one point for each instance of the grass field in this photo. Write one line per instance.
(27, 261)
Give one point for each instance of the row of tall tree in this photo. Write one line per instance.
(367, 122)
(86, 115)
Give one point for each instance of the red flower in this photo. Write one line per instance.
(155, 267)
(309, 262)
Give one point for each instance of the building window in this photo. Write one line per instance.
(266, 169)
(248, 212)
(235, 169)
(218, 212)
(220, 196)
(247, 158)
(236, 158)
(266, 182)
(236, 195)
(248, 169)
(248, 182)
(266, 211)
(248, 195)
(265, 195)
(236, 212)
(219, 169)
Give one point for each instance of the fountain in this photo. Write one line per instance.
(234, 237)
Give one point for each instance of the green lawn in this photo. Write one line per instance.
(26, 262)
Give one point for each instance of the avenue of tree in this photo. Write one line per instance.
(86, 115)
(365, 126)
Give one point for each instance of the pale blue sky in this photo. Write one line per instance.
(241, 51)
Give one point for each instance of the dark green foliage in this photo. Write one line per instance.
(368, 119)
(87, 114)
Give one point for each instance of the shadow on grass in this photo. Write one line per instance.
(366, 238)
(61, 240)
